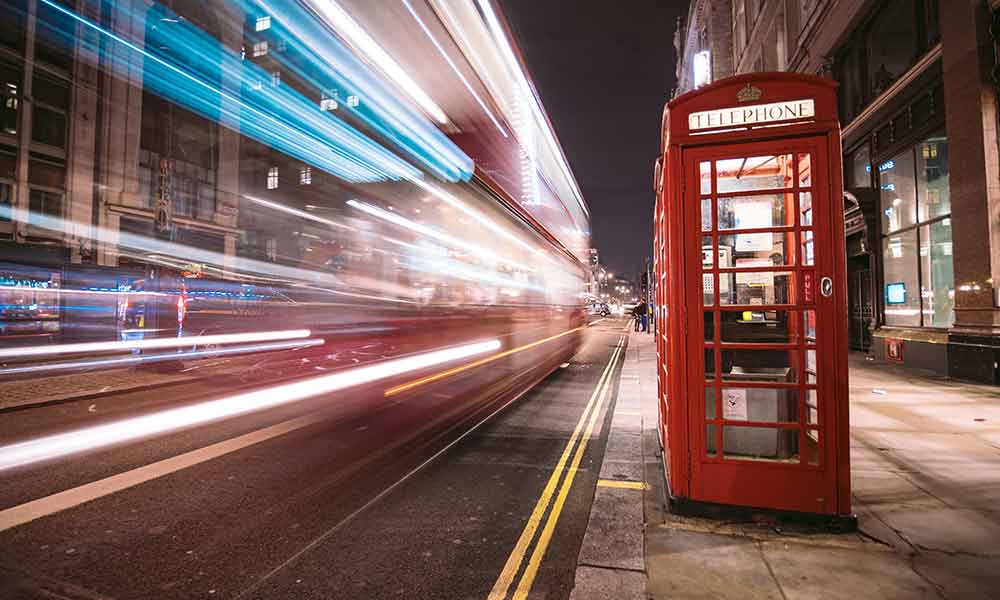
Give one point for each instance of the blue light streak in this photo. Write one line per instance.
(278, 117)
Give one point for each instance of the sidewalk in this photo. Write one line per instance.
(926, 481)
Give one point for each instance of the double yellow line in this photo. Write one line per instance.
(516, 559)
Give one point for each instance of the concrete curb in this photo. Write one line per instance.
(611, 563)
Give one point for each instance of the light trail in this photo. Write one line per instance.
(437, 376)
(454, 68)
(434, 233)
(102, 436)
(111, 363)
(343, 24)
(173, 342)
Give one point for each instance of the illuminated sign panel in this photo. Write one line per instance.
(752, 115)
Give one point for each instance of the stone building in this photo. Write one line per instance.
(918, 107)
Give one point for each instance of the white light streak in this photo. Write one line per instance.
(102, 436)
(434, 233)
(110, 363)
(359, 38)
(454, 68)
(173, 342)
(296, 212)
(508, 53)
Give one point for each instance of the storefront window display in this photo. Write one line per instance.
(918, 276)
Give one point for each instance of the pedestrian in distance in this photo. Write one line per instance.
(636, 317)
(643, 310)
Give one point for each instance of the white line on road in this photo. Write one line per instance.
(43, 507)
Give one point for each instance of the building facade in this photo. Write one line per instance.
(918, 109)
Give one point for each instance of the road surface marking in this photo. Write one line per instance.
(516, 558)
(528, 578)
(49, 505)
(459, 369)
(596, 322)
(622, 485)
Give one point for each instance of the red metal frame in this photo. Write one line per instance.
(821, 392)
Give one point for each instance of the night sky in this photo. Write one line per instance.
(604, 71)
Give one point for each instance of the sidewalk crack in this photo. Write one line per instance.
(767, 563)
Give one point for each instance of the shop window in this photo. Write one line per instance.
(898, 192)
(272, 178)
(932, 178)
(937, 289)
(899, 260)
(918, 274)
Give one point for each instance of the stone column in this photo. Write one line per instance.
(971, 117)
(121, 121)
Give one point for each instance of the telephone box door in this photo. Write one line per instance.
(760, 234)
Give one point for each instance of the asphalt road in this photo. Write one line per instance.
(324, 499)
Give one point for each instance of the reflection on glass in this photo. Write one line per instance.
(805, 170)
(898, 192)
(706, 214)
(812, 407)
(707, 256)
(806, 208)
(710, 441)
(753, 173)
(814, 447)
(752, 212)
(759, 326)
(762, 405)
(932, 178)
(755, 288)
(709, 326)
(705, 173)
(808, 248)
(938, 282)
(710, 402)
(809, 325)
(760, 443)
(758, 249)
(861, 168)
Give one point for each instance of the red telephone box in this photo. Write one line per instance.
(751, 295)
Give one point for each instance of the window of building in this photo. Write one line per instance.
(49, 110)
(263, 23)
(892, 45)
(12, 25)
(8, 166)
(10, 101)
(272, 178)
(861, 168)
(259, 48)
(54, 36)
(275, 78)
(918, 274)
(328, 100)
(305, 176)
(353, 101)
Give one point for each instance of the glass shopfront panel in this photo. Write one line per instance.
(918, 273)
(902, 301)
